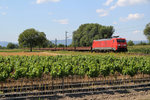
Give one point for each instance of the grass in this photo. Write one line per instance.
(145, 49)
(120, 54)
(11, 50)
(1, 92)
(136, 50)
(138, 46)
(17, 50)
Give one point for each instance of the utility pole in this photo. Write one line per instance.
(66, 38)
(55, 43)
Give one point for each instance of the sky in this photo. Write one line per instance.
(55, 17)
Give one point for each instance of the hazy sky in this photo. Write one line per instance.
(54, 17)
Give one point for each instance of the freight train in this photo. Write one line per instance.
(111, 44)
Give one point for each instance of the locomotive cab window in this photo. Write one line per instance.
(121, 41)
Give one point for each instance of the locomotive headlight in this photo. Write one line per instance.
(124, 45)
(119, 45)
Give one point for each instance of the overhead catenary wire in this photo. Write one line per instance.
(118, 29)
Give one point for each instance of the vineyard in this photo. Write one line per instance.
(16, 67)
(139, 49)
(59, 74)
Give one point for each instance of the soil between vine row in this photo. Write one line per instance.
(57, 91)
(49, 94)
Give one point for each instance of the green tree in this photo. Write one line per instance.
(1, 47)
(42, 39)
(61, 45)
(48, 44)
(86, 33)
(142, 43)
(147, 31)
(31, 38)
(11, 46)
(130, 43)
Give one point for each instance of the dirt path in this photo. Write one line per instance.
(133, 95)
(29, 53)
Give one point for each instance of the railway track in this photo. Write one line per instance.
(73, 92)
(87, 49)
(78, 88)
(67, 49)
(66, 85)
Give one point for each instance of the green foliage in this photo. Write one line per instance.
(1, 47)
(48, 44)
(62, 66)
(31, 38)
(139, 49)
(147, 31)
(41, 39)
(142, 43)
(130, 43)
(12, 46)
(86, 33)
(61, 45)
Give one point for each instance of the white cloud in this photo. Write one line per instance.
(108, 2)
(135, 16)
(102, 12)
(3, 8)
(3, 13)
(121, 3)
(62, 21)
(130, 2)
(44, 1)
(114, 23)
(136, 32)
(113, 7)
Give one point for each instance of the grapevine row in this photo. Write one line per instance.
(15, 67)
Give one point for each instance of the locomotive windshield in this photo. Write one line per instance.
(121, 41)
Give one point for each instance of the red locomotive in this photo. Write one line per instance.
(111, 44)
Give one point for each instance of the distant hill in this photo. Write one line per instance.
(4, 43)
(69, 41)
(137, 42)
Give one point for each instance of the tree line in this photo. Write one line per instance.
(10, 46)
(82, 37)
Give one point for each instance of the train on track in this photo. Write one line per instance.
(110, 44)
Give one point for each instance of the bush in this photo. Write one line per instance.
(142, 43)
(12, 46)
(61, 45)
(1, 47)
(130, 43)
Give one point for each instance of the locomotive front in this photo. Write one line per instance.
(121, 44)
